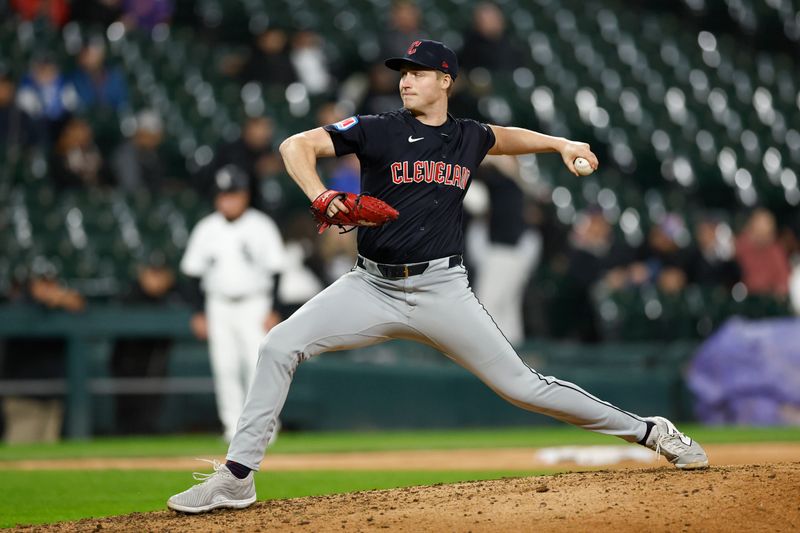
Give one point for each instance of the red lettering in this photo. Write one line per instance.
(456, 175)
(419, 172)
(430, 171)
(447, 174)
(396, 167)
(450, 179)
(439, 172)
(464, 178)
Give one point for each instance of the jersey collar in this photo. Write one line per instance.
(417, 126)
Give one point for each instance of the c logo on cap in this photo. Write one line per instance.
(413, 48)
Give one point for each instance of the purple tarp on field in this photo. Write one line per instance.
(749, 373)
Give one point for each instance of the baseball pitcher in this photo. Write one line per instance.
(409, 281)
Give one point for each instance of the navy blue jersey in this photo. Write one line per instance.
(422, 171)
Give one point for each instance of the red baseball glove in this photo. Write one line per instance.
(364, 210)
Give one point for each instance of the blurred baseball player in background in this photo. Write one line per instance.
(234, 258)
(409, 280)
(507, 250)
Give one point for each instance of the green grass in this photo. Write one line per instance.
(332, 442)
(72, 495)
(51, 496)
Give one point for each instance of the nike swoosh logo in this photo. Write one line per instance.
(411, 139)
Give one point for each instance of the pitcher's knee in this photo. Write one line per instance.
(523, 391)
(520, 398)
(280, 346)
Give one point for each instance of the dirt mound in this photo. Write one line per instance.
(720, 499)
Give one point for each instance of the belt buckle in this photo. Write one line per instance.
(405, 271)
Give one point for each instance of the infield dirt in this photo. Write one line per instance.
(764, 497)
(475, 459)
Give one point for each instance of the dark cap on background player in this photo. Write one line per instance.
(428, 54)
(231, 178)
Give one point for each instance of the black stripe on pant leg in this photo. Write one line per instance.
(537, 374)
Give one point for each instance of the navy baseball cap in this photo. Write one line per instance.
(429, 54)
(231, 178)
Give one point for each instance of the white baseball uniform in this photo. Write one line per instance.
(236, 262)
(503, 274)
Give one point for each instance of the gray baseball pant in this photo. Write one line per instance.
(437, 308)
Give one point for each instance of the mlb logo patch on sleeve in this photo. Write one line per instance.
(346, 124)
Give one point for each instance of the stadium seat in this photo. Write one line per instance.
(666, 92)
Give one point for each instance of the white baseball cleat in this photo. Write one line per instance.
(679, 449)
(218, 490)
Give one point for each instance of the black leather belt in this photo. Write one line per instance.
(404, 271)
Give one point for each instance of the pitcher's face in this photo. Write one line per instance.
(420, 89)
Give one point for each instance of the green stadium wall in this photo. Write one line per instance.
(394, 385)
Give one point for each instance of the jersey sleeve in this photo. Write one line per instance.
(352, 135)
(194, 260)
(486, 138)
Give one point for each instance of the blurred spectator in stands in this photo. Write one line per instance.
(39, 418)
(146, 14)
(76, 162)
(346, 175)
(55, 12)
(666, 256)
(487, 45)
(382, 94)
(144, 357)
(712, 261)
(269, 61)
(98, 84)
(99, 13)
(248, 152)
(310, 63)
(47, 97)
(513, 249)
(672, 280)
(45, 288)
(135, 14)
(594, 255)
(764, 262)
(15, 132)
(331, 113)
(466, 95)
(137, 163)
(338, 252)
(404, 27)
(268, 193)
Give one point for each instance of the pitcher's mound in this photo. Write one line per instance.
(720, 499)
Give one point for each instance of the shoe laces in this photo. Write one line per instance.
(202, 476)
(671, 438)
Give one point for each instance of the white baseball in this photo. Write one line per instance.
(582, 166)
